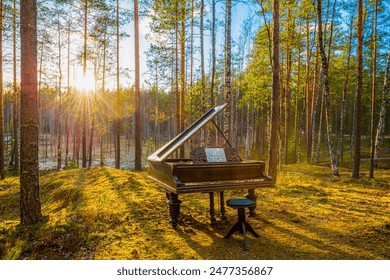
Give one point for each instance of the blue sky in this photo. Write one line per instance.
(239, 12)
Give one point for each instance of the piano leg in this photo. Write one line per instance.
(222, 204)
(174, 208)
(212, 208)
(252, 196)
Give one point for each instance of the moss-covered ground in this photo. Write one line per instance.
(104, 213)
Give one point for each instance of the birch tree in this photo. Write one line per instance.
(327, 104)
(382, 115)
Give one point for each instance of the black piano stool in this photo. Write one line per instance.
(241, 225)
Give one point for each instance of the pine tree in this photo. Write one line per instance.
(30, 203)
(275, 111)
(358, 95)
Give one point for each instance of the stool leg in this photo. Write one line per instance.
(244, 233)
(251, 230)
(236, 227)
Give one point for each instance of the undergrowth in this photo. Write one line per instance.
(104, 213)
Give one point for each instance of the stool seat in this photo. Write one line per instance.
(240, 203)
(241, 225)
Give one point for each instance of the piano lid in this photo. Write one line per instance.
(166, 150)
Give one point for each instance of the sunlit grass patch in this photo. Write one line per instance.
(103, 213)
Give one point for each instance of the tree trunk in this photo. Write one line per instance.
(314, 104)
(182, 70)
(84, 101)
(213, 66)
(117, 107)
(2, 174)
(228, 61)
(373, 92)
(308, 95)
(16, 98)
(297, 124)
(344, 97)
(382, 115)
(59, 113)
(30, 204)
(138, 148)
(191, 68)
(358, 95)
(327, 104)
(202, 87)
(275, 113)
(288, 81)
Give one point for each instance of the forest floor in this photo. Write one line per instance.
(104, 213)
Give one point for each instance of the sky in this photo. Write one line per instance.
(239, 13)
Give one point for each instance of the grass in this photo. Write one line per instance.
(104, 213)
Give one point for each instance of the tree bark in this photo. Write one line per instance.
(228, 69)
(182, 70)
(382, 115)
(373, 92)
(344, 96)
(117, 107)
(30, 204)
(138, 148)
(15, 162)
(202, 87)
(275, 111)
(288, 81)
(213, 67)
(59, 113)
(84, 101)
(327, 104)
(308, 95)
(2, 174)
(358, 95)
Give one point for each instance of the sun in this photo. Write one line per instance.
(85, 82)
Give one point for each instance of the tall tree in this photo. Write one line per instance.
(344, 96)
(202, 79)
(30, 204)
(182, 69)
(138, 151)
(275, 106)
(16, 95)
(2, 174)
(382, 115)
(325, 78)
(228, 68)
(287, 113)
(84, 101)
(308, 97)
(59, 113)
(118, 102)
(373, 89)
(357, 113)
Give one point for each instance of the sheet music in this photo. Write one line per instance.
(215, 154)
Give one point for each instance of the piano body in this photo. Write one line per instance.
(209, 170)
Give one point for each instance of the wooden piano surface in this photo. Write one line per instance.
(185, 176)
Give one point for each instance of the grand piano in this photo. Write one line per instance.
(207, 170)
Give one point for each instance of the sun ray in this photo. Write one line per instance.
(86, 83)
